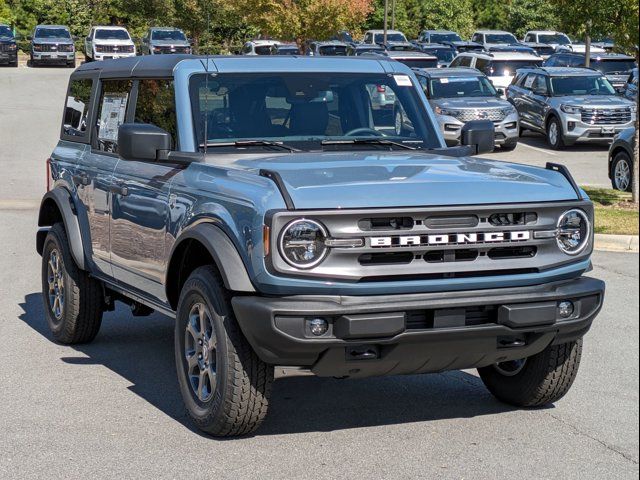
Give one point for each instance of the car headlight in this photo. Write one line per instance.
(447, 112)
(302, 243)
(574, 231)
(13, 46)
(569, 108)
(633, 107)
(37, 48)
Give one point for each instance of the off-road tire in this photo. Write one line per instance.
(81, 312)
(240, 398)
(545, 378)
(556, 143)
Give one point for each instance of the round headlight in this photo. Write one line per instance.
(302, 243)
(574, 230)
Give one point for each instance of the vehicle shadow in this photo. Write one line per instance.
(538, 140)
(141, 351)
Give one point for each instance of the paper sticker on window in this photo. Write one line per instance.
(114, 107)
(444, 80)
(529, 81)
(402, 80)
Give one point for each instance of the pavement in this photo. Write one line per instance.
(111, 409)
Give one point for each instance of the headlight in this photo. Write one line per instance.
(574, 231)
(13, 46)
(633, 108)
(302, 243)
(569, 108)
(37, 48)
(448, 112)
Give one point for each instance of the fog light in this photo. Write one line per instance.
(565, 309)
(571, 125)
(318, 326)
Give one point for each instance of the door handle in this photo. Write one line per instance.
(81, 179)
(119, 190)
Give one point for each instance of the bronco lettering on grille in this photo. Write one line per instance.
(449, 239)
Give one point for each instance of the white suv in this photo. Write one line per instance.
(104, 43)
(376, 37)
(259, 47)
(500, 67)
(558, 40)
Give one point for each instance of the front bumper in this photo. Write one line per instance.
(576, 131)
(506, 131)
(416, 333)
(8, 57)
(112, 56)
(53, 57)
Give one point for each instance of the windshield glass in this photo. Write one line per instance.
(559, 38)
(287, 51)
(614, 66)
(444, 37)
(587, 85)
(168, 35)
(502, 38)
(304, 109)
(498, 68)
(112, 35)
(5, 31)
(263, 50)
(333, 50)
(52, 33)
(391, 37)
(443, 54)
(419, 62)
(455, 87)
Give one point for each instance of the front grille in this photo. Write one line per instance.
(7, 47)
(427, 319)
(114, 48)
(168, 49)
(493, 114)
(56, 47)
(606, 116)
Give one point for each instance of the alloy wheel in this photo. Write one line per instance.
(200, 352)
(622, 175)
(553, 133)
(55, 281)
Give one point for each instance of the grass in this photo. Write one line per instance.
(614, 211)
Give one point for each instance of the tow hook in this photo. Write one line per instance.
(362, 352)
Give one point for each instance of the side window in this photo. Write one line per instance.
(476, 38)
(528, 81)
(528, 38)
(540, 85)
(76, 109)
(156, 105)
(112, 109)
(576, 61)
(465, 62)
(455, 62)
(552, 61)
(481, 64)
(424, 84)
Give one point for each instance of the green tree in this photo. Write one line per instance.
(524, 15)
(492, 14)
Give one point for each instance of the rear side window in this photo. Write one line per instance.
(112, 109)
(156, 105)
(76, 110)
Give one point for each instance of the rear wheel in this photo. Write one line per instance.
(224, 385)
(621, 172)
(535, 381)
(73, 301)
(554, 134)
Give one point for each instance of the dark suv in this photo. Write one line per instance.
(283, 219)
(8, 47)
(615, 66)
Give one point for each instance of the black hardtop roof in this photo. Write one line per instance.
(138, 66)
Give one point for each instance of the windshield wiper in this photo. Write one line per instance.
(368, 141)
(251, 143)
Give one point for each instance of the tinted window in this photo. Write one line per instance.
(263, 50)
(419, 62)
(540, 85)
(111, 35)
(614, 66)
(77, 108)
(481, 63)
(501, 38)
(443, 54)
(112, 108)
(530, 38)
(575, 61)
(52, 33)
(445, 37)
(391, 37)
(5, 31)
(465, 62)
(558, 38)
(156, 105)
(333, 50)
(581, 85)
(457, 87)
(168, 35)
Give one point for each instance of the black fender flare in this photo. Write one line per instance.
(63, 201)
(222, 250)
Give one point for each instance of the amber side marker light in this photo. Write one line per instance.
(266, 239)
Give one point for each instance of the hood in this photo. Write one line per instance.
(7, 40)
(470, 102)
(58, 40)
(317, 180)
(593, 101)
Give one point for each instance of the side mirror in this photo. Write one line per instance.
(500, 92)
(142, 141)
(480, 135)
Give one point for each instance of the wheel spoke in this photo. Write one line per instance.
(201, 386)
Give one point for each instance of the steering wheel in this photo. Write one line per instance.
(363, 130)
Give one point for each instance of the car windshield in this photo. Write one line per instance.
(614, 66)
(391, 37)
(499, 68)
(287, 51)
(581, 85)
(502, 38)
(168, 35)
(418, 62)
(333, 50)
(444, 37)
(456, 87)
(5, 31)
(559, 38)
(112, 34)
(52, 33)
(443, 54)
(303, 110)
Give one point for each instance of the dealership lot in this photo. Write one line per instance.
(112, 409)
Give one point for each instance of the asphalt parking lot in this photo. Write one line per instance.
(112, 409)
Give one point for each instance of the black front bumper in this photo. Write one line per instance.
(416, 333)
(8, 57)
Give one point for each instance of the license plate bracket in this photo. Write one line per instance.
(607, 130)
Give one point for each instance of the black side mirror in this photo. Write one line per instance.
(142, 141)
(500, 92)
(479, 134)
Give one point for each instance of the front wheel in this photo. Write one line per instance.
(535, 381)
(224, 385)
(509, 146)
(621, 176)
(554, 134)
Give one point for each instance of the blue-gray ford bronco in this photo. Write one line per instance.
(283, 217)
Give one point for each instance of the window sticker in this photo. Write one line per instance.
(403, 80)
(114, 107)
(529, 81)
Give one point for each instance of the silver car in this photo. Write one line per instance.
(165, 40)
(52, 44)
(459, 95)
(570, 105)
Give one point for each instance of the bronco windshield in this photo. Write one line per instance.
(52, 33)
(555, 38)
(458, 87)
(303, 110)
(579, 85)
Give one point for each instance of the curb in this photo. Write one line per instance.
(616, 243)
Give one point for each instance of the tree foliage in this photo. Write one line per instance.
(525, 15)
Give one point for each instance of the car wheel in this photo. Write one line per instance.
(71, 64)
(73, 301)
(535, 381)
(621, 172)
(509, 146)
(554, 134)
(224, 385)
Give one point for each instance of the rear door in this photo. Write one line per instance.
(538, 99)
(141, 198)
